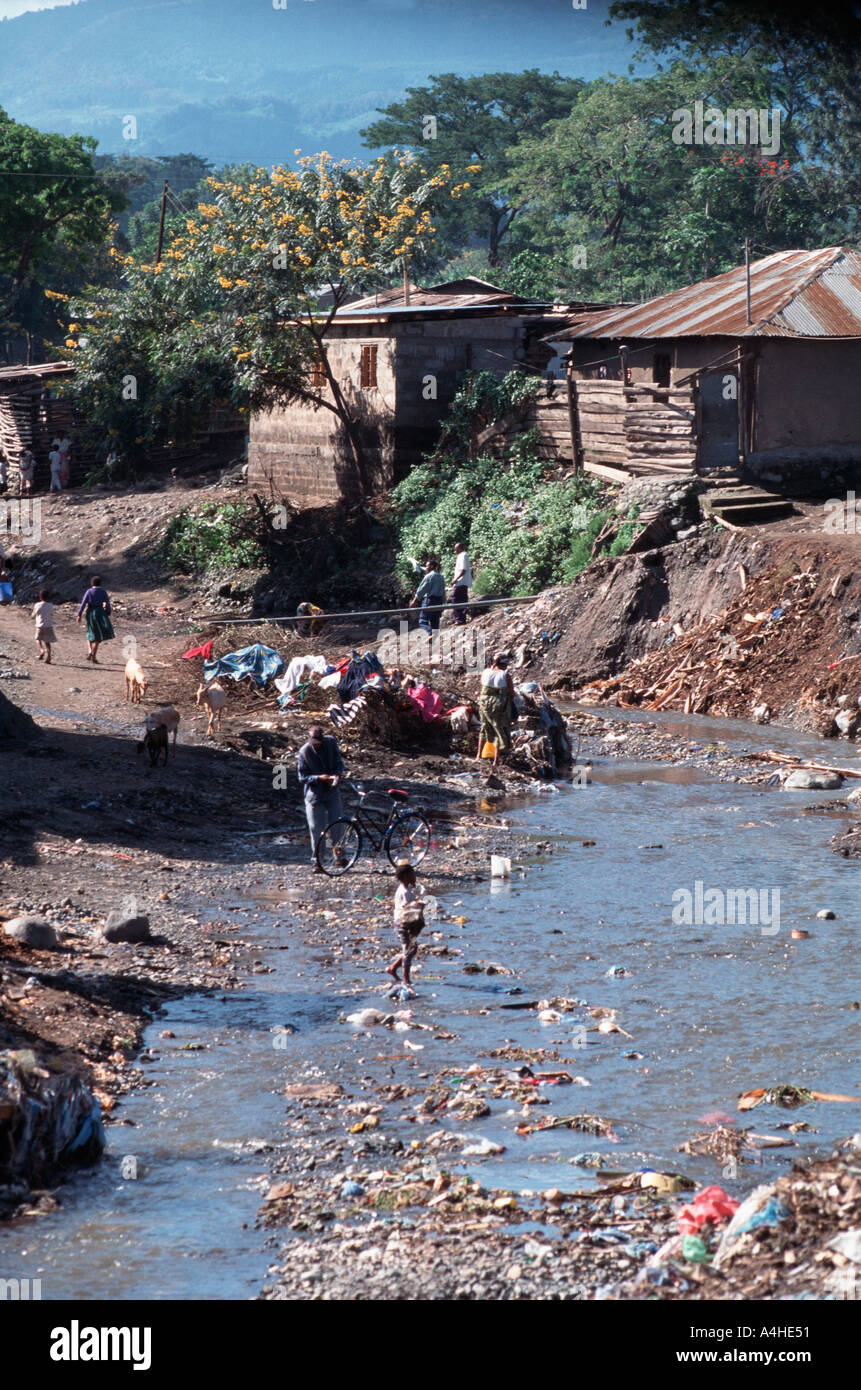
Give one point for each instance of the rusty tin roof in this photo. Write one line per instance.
(794, 294)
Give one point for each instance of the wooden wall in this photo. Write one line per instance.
(640, 429)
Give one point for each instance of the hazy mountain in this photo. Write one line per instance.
(242, 80)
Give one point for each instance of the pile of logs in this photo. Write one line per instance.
(704, 667)
(640, 429)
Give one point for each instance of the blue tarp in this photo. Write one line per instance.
(258, 662)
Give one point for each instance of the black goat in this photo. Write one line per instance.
(155, 742)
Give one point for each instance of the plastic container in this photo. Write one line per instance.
(500, 867)
(489, 749)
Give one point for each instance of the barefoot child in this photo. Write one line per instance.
(43, 612)
(409, 920)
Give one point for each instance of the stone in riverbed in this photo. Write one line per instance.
(33, 931)
(804, 780)
(126, 926)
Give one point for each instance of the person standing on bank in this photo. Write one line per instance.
(26, 473)
(430, 593)
(96, 605)
(320, 771)
(65, 448)
(461, 584)
(494, 706)
(55, 463)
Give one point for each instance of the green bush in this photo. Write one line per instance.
(524, 529)
(222, 535)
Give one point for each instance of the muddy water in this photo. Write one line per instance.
(714, 1009)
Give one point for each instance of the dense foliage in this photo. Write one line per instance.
(223, 535)
(55, 226)
(524, 528)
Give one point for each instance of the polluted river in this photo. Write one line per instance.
(594, 910)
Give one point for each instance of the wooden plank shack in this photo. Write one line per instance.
(635, 430)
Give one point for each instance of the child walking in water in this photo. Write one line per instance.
(409, 920)
(43, 612)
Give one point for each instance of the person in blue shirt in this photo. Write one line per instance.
(320, 771)
(430, 593)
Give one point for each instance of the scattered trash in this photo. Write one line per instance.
(788, 1097)
(500, 867)
(481, 1148)
(400, 992)
(665, 1182)
(712, 1204)
(695, 1250)
(366, 1018)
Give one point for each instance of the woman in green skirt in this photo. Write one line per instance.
(96, 605)
(495, 701)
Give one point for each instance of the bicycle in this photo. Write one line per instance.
(405, 835)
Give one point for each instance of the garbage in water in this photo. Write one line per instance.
(789, 1096)
(712, 1205)
(500, 867)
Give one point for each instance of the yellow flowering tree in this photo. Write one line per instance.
(232, 310)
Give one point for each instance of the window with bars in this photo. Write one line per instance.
(369, 366)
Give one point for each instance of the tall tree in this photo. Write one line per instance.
(470, 124)
(53, 208)
(637, 212)
(231, 311)
(809, 54)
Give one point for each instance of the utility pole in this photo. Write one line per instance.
(406, 281)
(747, 242)
(161, 222)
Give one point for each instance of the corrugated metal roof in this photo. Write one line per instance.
(794, 294)
(35, 369)
(455, 294)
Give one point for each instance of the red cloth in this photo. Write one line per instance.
(712, 1204)
(205, 651)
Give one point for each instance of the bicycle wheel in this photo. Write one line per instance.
(338, 847)
(408, 838)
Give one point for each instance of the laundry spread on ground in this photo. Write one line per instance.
(259, 662)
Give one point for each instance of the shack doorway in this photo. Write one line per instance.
(718, 419)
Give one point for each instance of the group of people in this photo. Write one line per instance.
(94, 609)
(430, 594)
(59, 464)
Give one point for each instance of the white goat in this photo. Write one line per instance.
(215, 698)
(136, 682)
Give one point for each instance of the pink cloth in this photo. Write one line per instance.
(428, 703)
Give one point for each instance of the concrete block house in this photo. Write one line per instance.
(398, 358)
